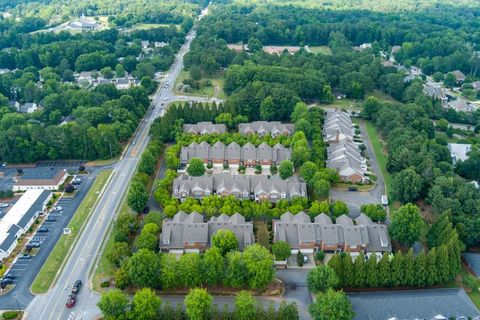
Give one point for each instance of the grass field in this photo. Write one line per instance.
(217, 80)
(55, 260)
(325, 50)
(378, 147)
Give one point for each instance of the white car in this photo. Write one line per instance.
(4, 205)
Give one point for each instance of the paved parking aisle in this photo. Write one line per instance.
(26, 270)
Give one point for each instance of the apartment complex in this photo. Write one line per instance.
(343, 152)
(243, 187)
(234, 154)
(202, 128)
(344, 235)
(189, 233)
(262, 128)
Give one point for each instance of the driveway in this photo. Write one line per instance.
(354, 199)
(26, 270)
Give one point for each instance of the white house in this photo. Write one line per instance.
(459, 151)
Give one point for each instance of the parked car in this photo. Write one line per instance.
(76, 287)
(58, 208)
(34, 244)
(24, 256)
(4, 205)
(43, 229)
(5, 282)
(9, 276)
(71, 301)
(305, 259)
(51, 219)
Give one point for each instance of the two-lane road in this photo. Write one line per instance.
(83, 256)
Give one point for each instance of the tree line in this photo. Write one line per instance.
(145, 305)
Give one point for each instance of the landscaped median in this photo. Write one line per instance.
(55, 260)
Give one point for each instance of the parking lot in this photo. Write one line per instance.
(25, 270)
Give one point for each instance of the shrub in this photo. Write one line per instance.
(209, 165)
(105, 284)
(320, 256)
(300, 259)
(10, 315)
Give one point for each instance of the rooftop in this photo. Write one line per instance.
(417, 304)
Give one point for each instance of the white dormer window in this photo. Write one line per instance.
(283, 195)
(166, 241)
(245, 194)
(207, 192)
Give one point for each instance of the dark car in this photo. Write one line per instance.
(5, 282)
(51, 219)
(76, 287)
(43, 229)
(24, 256)
(9, 276)
(71, 301)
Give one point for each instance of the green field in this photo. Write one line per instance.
(325, 50)
(55, 260)
(379, 149)
(217, 80)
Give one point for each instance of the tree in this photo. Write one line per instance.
(190, 270)
(281, 250)
(374, 211)
(307, 171)
(196, 168)
(450, 81)
(339, 208)
(118, 252)
(254, 45)
(286, 169)
(235, 274)
(169, 271)
(197, 304)
(147, 240)
(195, 72)
(145, 305)
(153, 217)
(321, 187)
(318, 207)
(114, 305)
(322, 278)
(259, 266)
(144, 269)
(407, 185)
(287, 311)
(267, 109)
(214, 266)
(137, 196)
(245, 306)
(119, 71)
(225, 240)
(263, 236)
(331, 305)
(107, 73)
(407, 224)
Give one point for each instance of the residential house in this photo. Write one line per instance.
(29, 107)
(243, 187)
(338, 126)
(160, 44)
(459, 76)
(233, 154)
(189, 232)
(262, 128)
(306, 236)
(436, 91)
(459, 151)
(395, 49)
(14, 105)
(476, 85)
(461, 105)
(362, 47)
(203, 128)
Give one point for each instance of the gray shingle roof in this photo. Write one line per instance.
(37, 206)
(473, 260)
(204, 128)
(417, 304)
(275, 128)
(344, 220)
(186, 229)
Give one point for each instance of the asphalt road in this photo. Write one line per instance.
(82, 259)
(27, 270)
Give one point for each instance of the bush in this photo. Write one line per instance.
(471, 282)
(10, 315)
(105, 284)
(320, 256)
(300, 259)
(209, 165)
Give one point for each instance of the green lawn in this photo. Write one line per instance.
(217, 80)
(55, 260)
(380, 154)
(325, 50)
